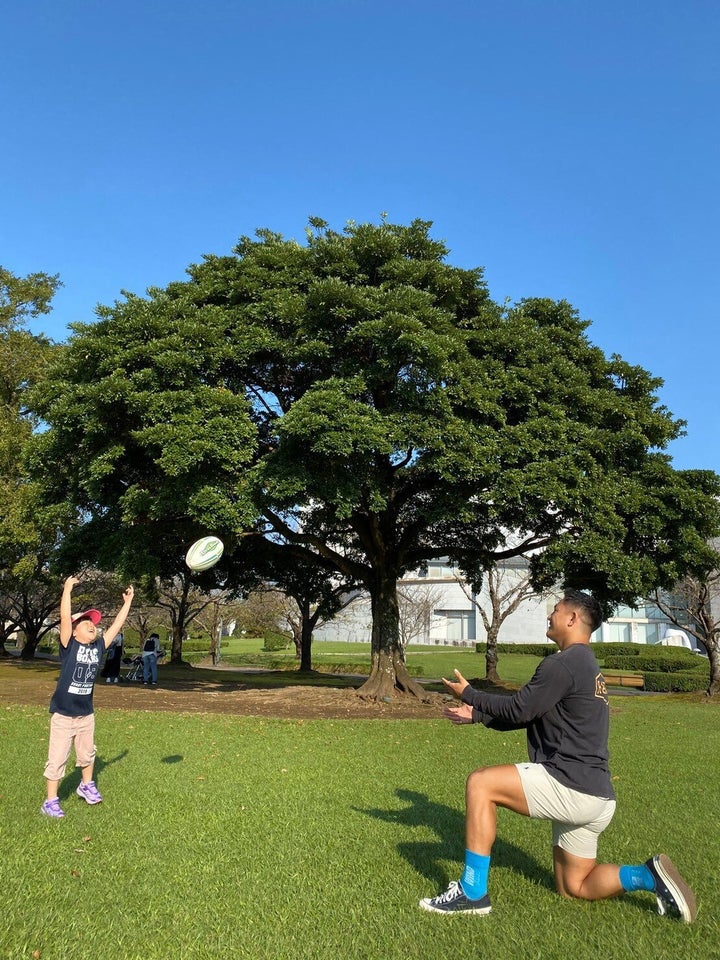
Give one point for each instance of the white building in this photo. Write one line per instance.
(436, 609)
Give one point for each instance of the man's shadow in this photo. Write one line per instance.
(428, 857)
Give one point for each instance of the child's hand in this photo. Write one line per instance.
(71, 582)
(129, 594)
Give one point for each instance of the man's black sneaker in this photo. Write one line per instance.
(455, 901)
(674, 896)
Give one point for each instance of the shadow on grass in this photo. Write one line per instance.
(71, 782)
(428, 857)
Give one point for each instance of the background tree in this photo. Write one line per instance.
(363, 401)
(314, 591)
(417, 603)
(182, 601)
(507, 585)
(32, 607)
(29, 530)
(148, 445)
(693, 604)
(262, 612)
(145, 617)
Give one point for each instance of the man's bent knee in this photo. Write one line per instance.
(500, 785)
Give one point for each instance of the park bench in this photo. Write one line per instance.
(624, 680)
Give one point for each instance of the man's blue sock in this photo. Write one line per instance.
(474, 879)
(636, 878)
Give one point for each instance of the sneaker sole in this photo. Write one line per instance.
(684, 897)
(477, 911)
(92, 803)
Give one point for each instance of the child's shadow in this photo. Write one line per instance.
(427, 857)
(71, 783)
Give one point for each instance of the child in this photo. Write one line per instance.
(71, 708)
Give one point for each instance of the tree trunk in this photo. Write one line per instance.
(388, 674)
(178, 618)
(30, 646)
(713, 648)
(306, 645)
(491, 655)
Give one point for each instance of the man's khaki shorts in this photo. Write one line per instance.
(577, 818)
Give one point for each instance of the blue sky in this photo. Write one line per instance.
(569, 148)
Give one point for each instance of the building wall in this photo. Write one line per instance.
(455, 620)
(453, 617)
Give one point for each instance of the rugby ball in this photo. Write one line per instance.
(204, 553)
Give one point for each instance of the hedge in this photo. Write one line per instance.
(530, 649)
(681, 682)
(657, 663)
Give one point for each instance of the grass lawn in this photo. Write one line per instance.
(423, 661)
(250, 838)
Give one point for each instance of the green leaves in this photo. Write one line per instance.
(359, 397)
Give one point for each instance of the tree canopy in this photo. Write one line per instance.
(361, 401)
(29, 530)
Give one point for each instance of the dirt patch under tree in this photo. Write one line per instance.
(26, 684)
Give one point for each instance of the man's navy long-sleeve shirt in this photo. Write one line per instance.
(564, 708)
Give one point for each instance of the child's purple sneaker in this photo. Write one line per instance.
(52, 808)
(89, 792)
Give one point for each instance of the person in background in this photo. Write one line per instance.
(150, 651)
(111, 670)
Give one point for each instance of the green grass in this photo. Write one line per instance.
(426, 662)
(250, 838)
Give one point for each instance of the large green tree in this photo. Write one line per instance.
(29, 530)
(148, 445)
(362, 401)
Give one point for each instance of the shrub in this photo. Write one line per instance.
(275, 641)
(530, 649)
(200, 644)
(680, 682)
(622, 649)
(663, 661)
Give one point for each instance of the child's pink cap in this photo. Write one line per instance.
(92, 614)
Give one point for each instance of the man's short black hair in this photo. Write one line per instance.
(591, 610)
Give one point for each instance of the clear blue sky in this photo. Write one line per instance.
(569, 147)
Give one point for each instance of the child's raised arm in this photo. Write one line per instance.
(66, 610)
(114, 628)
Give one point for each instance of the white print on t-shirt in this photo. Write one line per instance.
(85, 670)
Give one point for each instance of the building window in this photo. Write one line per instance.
(460, 624)
(441, 570)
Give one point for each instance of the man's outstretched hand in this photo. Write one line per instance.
(457, 685)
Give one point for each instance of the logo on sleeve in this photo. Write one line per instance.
(601, 688)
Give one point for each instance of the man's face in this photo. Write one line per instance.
(85, 631)
(556, 630)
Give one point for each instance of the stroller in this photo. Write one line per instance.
(135, 668)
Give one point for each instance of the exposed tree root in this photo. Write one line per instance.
(389, 678)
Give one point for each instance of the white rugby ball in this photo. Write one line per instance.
(204, 553)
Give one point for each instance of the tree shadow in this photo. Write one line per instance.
(428, 857)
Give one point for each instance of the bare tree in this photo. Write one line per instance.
(508, 586)
(31, 606)
(145, 617)
(416, 606)
(694, 606)
(264, 610)
(182, 602)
